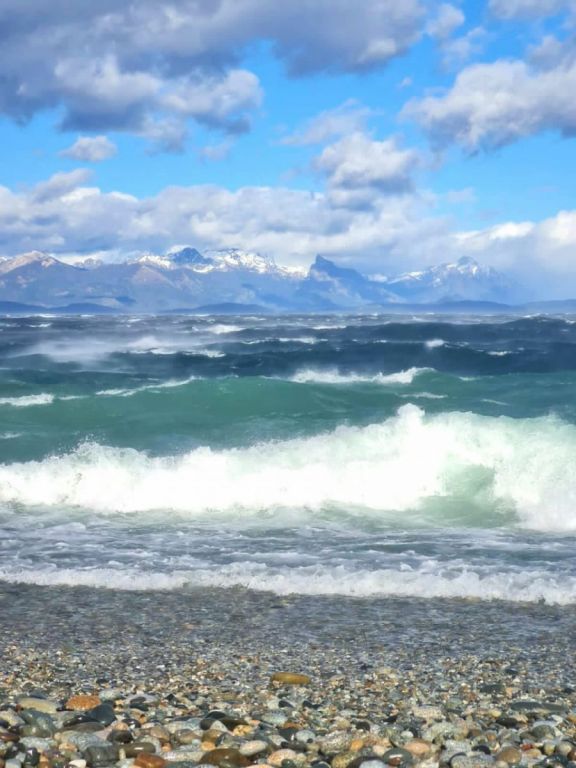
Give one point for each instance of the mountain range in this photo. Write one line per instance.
(185, 279)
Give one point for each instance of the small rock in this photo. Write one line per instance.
(418, 748)
(253, 748)
(509, 755)
(144, 760)
(333, 743)
(277, 758)
(226, 757)
(98, 756)
(103, 714)
(397, 756)
(83, 702)
(40, 705)
(290, 678)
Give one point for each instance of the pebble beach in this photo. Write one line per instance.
(232, 678)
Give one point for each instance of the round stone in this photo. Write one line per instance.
(253, 748)
(509, 755)
(82, 702)
(418, 748)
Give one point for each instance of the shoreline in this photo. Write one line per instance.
(388, 681)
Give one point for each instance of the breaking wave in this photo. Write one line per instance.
(333, 376)
(445, 469)
(25, 401)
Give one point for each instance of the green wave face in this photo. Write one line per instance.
(325, 455)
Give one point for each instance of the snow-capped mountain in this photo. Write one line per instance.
(185, 278)
(226, 260)
(464, 280)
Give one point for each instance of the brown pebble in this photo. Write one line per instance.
(225, 757)
(419, 748)
(509, 755)
(343, 759)
(144, 760)
(290, 678)
(82, 702)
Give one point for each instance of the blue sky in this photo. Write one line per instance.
(386, 135)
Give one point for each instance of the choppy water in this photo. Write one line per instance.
(319, 455)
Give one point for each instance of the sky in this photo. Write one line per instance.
(386, 135)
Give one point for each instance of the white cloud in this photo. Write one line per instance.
(216, 101)
(62, 215)
(397, 233)
(359, 169)
(510, 9)
(349, 117)
(59, 185)
(541, 254)
(491, 105)
(446, 21)
(457, 50)
(91, 149)
(120, 65)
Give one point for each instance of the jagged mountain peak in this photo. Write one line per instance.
(186, 278)
(187, 257)
(236, 258)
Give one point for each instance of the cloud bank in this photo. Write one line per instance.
(65, 216)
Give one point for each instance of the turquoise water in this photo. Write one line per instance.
(324, 455)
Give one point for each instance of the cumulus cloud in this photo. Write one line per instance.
(91, 149)
(358, 169)
(65, 217)
(511, 9)
(347, 118)
(123, 65)
(491, 105)
(541, 254)
(457, 50)
(446, 21)
(59, 185)
(217, 101)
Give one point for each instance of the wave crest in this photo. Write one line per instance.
(478, 469)
(333, 376)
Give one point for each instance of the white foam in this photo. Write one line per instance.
(492, 468)
(94, 350)
(333, 376)
(435, 343)
(431, 581)
(27, 401)
(106, 578)
(171, 384)
(223, 328)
